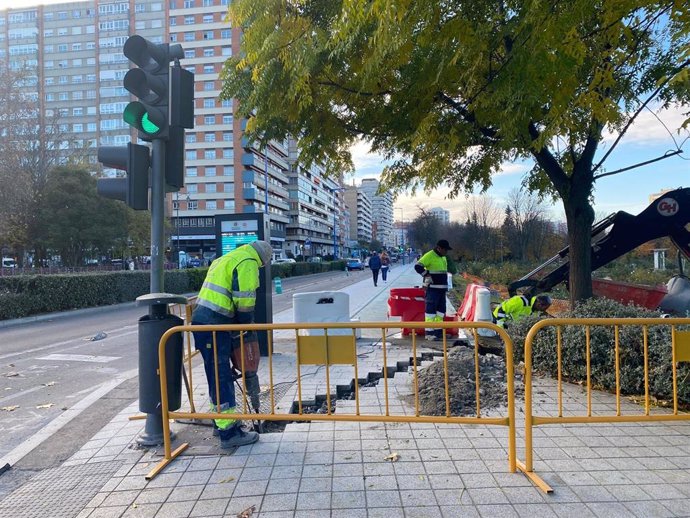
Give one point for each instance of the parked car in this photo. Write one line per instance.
(283, 261)
(354, 264)
(9, 262)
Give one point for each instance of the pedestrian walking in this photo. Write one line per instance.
(385, 265)
(433, 268)
(228, 296)
(375, 266)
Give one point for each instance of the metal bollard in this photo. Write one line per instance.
(278, 284)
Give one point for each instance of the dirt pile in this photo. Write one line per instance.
(461, 384)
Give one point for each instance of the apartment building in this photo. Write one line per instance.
(359, 205)
(76, 50)
(440, 214)
(381, 211)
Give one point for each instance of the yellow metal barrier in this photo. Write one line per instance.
(333, 348)
(680, 349)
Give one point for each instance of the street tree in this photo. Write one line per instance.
(451, 91)
(34, 141)
(524, 226)
(75, 221)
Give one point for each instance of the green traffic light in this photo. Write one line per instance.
(148, 126)
(137, 116)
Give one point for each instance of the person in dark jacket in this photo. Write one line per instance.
(375, 266)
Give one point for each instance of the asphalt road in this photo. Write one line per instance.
(59, 385)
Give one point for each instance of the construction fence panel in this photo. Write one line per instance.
(616, 351)
(335, 350)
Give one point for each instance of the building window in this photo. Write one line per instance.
(210, 204)
(189, 20)
(191, 172)
(228, 153)
(208, 35)
(211, 187)
(226, 34)
(226, 51)
(209, 53)
(190, 155)
(209, 137)
(209, 69)
(228, 187)
(228, 171)
(77, 95)
(188, 4)
(189, 54)
(77, 111)
(188, 36)
(172, 21)
(208, 18)
(77, 128)
(190, 138)
(227, 136)
(209, 119)
(192, 205)
(62, 47)
(210, 154)
(210, 171)
(227, 119)
(209, 103)
(76, 46)
(192, 188)
(91, 126)
(209, 86)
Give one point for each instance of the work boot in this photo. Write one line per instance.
(241, 438)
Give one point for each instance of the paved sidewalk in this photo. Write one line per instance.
(340, 469)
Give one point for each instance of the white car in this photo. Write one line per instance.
(283, 261)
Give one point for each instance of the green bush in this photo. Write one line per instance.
(26, 295)
(602, 351)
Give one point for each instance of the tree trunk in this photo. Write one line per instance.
(580, 216)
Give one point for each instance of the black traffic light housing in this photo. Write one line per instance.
(134, 188)
(150, 115)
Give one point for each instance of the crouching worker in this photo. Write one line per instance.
(228, 296)
(519, 306)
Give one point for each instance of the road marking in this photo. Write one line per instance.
(78, 358)
(78, 341)
(56, 424)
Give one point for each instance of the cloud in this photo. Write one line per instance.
(653, 127)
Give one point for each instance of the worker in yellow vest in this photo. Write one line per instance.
(228, 296)
(433, 267)
(519, 306)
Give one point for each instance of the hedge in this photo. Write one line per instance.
(602, 351)
(27, 295)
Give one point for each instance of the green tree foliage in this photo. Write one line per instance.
(452, 90)
(74, 219)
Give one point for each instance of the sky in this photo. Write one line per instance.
(628, 191)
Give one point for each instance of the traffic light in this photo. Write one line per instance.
(134, 189)
(151, 84)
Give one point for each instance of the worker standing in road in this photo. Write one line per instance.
(433, 267)
(228, 296)
(519, 306)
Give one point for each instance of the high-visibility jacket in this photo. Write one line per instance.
(231, 283)
(436, 266)
(513, 309)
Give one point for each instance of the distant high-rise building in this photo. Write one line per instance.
(76, 52)
(359, 206)
(440, 214)
(381, 211)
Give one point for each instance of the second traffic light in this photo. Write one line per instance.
(134, 188)
(151, 84)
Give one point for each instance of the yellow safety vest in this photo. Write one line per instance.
(436, 266)
(513, 309)
(231, 282)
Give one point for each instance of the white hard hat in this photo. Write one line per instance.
(265, 251)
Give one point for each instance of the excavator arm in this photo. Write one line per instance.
(618, 234)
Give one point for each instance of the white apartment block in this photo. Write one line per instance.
(359, 206)
(381, 212)
(440, 214)
(76, 50)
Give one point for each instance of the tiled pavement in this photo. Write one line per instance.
(323, 469)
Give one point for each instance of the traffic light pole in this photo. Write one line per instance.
(157, 215)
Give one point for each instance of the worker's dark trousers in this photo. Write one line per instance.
(203, 342)
(434, 309)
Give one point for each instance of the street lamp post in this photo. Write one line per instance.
(402, 232)
(335, 221)
(177, 225)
